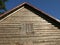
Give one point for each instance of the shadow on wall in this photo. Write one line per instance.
(45, 16)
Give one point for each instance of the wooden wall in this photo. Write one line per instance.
(24, 27)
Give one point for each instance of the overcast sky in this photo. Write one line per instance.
(52, 7)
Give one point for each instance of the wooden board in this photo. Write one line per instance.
(24, 27)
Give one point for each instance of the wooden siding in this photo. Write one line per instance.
(24, 27)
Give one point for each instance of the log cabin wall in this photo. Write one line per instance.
(23, 27)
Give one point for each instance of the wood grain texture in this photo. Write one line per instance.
(24, 27)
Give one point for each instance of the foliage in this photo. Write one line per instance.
(2, 4)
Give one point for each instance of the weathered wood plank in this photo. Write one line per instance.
(27, 28)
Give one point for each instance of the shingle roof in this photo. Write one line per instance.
(35, 10)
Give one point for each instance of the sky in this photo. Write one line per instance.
(51, 7)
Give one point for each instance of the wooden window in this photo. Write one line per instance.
(28, 28)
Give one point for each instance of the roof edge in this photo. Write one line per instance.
(12, 10)
(43, 12)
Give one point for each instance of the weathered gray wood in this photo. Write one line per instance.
(23, 27)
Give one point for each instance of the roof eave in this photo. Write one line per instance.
(10, 11)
